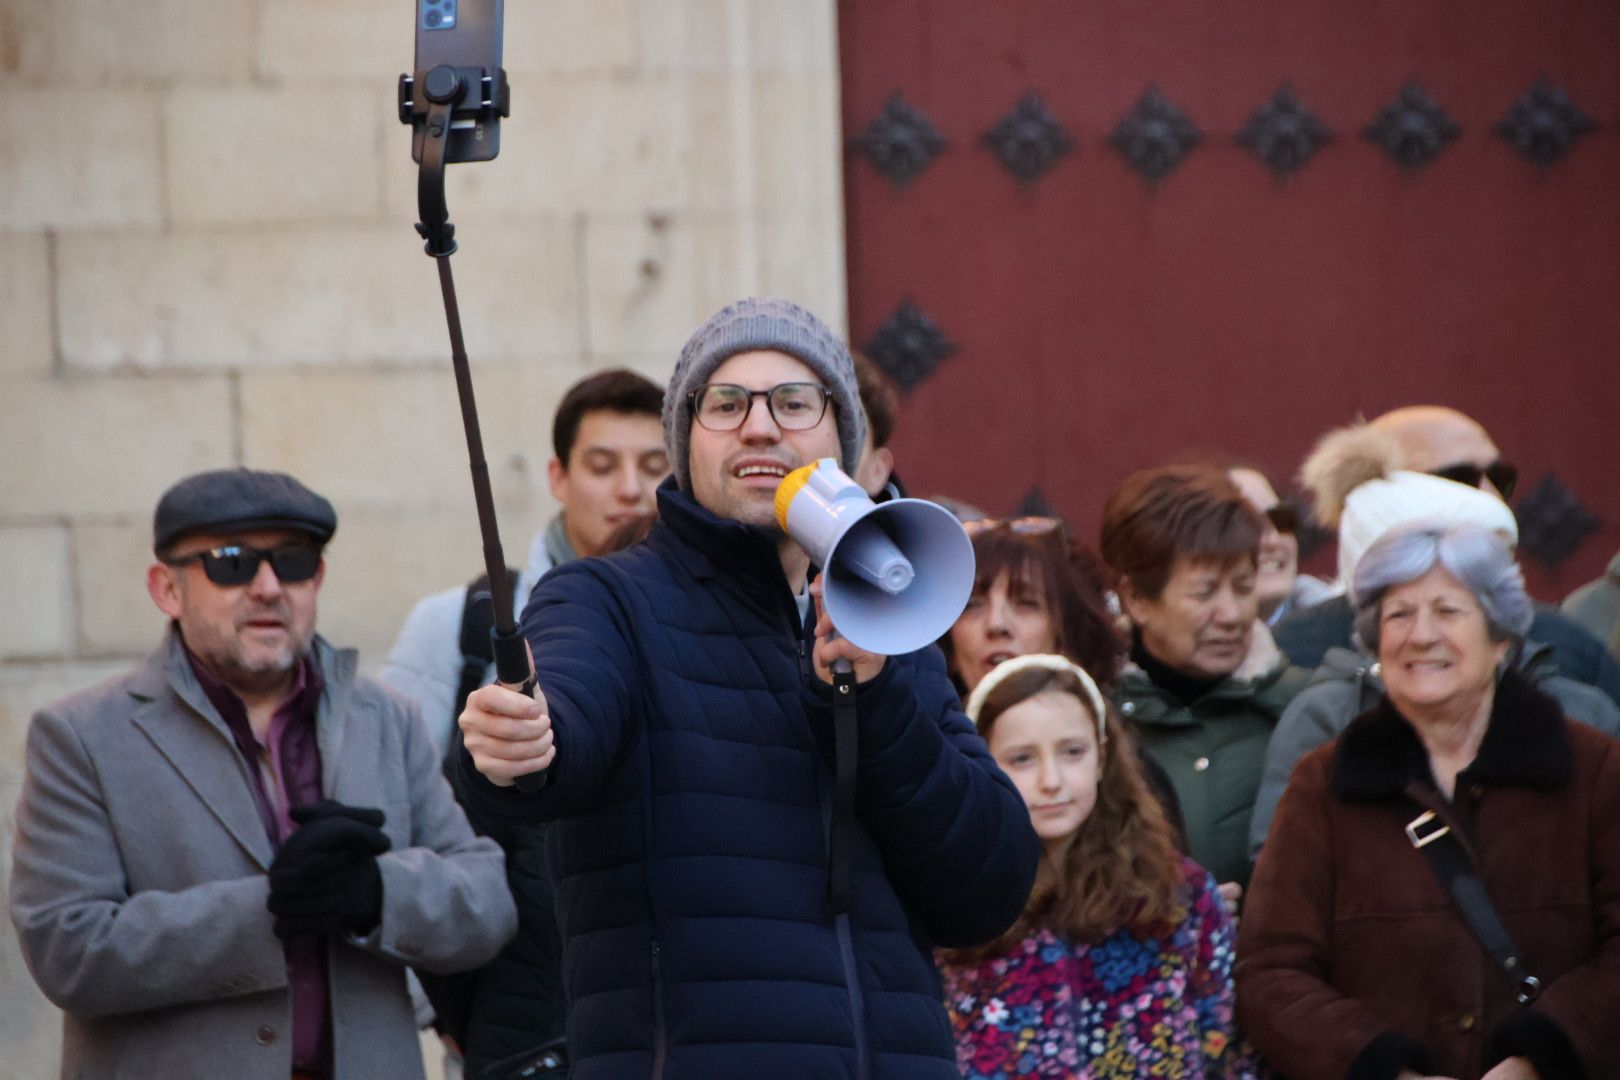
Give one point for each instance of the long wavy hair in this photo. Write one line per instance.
(1122, 870)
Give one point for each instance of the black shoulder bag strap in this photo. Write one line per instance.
(477, 648)
(1434, 836)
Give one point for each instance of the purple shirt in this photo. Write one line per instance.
(286, 772)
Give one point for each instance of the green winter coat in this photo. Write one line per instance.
(1214, 750)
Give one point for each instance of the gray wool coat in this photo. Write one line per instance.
(138, 887)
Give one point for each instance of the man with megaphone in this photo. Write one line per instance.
(718, 920)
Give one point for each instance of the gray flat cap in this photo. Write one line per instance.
(237, 499)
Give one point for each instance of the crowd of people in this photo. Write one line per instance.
(1164, 806)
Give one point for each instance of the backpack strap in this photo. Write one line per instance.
(477, 649)
(1433, 834)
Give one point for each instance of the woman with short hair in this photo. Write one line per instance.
(1356, 961)
(1204, 685)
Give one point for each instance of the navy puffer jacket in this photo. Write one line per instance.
(693, 786)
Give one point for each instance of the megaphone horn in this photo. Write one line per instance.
(896, 575)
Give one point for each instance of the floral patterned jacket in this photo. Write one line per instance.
(1125, 1007)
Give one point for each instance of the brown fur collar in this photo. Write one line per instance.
(1526, 744)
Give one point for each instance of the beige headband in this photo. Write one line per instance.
(1042, 662)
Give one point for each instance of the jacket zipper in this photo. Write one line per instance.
(857, 1004)
(660, 1037)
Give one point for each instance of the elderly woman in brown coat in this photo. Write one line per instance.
(1354, 960)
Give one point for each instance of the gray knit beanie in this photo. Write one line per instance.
(762, 323)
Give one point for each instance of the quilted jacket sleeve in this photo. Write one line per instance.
(953, 829)
(584, 661)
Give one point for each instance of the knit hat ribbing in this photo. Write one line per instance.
(762, 323)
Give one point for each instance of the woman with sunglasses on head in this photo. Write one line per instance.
(1121, 963)
(1205, 684)
(1033, 591)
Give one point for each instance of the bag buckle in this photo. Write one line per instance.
(1416, 825)
(1529, 989)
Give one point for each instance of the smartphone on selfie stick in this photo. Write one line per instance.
(454, 100)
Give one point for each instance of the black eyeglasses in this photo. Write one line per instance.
(795, 406)
(1503, 475)
(1283, 518)
(236, 565)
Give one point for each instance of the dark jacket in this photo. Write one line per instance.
(1353, 961)
(1307, 635)
(1596, 606)
(1213, 749)
(692, 785)
(1348, 684)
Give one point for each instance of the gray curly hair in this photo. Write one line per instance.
(1476, 556)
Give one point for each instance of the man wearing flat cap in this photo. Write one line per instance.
(226, 857)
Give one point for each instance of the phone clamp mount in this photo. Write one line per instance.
(438, 111)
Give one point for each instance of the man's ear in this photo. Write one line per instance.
(163, 588)
(876, 466)
(557, 476)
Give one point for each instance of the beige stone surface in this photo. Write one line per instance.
(83, 159)
(278, 297)
(108, 446)
(228, 157)
(552, 36)
(25, 297)
(116, 617)
(95, 42)
(382, 561)
(25, 688)
(30, 1026)
(36, 592)
(575, 142)
(693, 35)
(652, 279)
(326, 42)
(393, 442)
(795, 144)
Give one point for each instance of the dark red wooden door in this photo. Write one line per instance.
(1102, 321)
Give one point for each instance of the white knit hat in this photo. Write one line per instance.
(1375, 507)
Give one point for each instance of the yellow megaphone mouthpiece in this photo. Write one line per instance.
(790, 486)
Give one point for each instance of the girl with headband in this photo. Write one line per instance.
(1121, 964)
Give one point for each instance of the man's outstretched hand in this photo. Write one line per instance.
(507, 733)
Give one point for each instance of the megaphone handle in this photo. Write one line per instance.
(840, 863)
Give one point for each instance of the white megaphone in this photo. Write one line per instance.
(895, 575)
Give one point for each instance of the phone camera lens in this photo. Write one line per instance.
(432, 17)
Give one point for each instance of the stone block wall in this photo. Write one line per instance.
(206, 259)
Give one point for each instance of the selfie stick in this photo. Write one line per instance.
(444, 89)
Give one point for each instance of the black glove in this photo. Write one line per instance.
(325, 876)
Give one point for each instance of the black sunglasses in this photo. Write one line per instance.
(237, 565)
(1503, 475)
(1284, 518)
